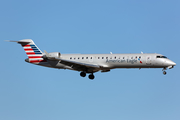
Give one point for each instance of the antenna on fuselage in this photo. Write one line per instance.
(141, 52)
(110, 52)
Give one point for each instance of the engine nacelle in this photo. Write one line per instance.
(55, 54)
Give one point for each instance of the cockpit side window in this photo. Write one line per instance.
(161, 57)
(164, 57)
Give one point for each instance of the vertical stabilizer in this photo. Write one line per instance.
(33, 52)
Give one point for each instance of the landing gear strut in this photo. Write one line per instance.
(83, 74)
(91, 76)
(164, 72)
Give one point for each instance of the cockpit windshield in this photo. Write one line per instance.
(161, 57)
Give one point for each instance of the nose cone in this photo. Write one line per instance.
(173, 63)
(169, 62)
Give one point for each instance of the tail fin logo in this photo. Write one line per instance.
(33, 52)
(31, 49)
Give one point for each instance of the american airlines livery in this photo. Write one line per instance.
(91, 63)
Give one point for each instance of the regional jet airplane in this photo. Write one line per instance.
(91, 63)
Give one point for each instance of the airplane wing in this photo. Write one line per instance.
(79, 66)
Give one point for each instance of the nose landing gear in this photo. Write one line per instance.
(164, 72)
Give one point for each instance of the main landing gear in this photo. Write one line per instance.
(91, 76)
(83, 74)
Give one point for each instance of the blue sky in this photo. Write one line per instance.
(29, 92)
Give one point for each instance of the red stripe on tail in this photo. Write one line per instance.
(31, 53)
(26, 46)
(28, 49)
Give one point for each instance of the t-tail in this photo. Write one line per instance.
(33, 52)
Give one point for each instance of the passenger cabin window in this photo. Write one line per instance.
(86, 57)
(102, 57)
(82, 57)
(106, 57)
(70, 57)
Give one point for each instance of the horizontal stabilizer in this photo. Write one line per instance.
(26, 41)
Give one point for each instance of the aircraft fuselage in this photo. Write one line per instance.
(91, 63)
(111, 61)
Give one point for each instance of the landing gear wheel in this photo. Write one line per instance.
(83, 74)
(91, 76)
(164, 72)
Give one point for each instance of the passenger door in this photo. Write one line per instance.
(148, 60)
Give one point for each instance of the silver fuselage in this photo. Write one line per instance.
(91, 63)
(112, 61)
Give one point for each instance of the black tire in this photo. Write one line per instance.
(164, 72)
(83, 74)
(91, 76)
